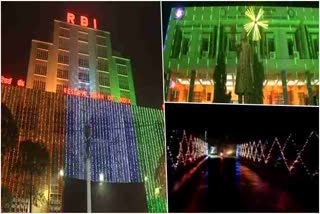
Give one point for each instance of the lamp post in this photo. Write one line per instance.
(87, 134)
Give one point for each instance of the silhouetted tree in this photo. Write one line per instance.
(33, 161)
(9, 130)
(258, 73)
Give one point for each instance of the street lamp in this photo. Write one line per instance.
(87, 134)
(61, 173)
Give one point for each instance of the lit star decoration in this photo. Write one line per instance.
(179, 13)
(254, 25)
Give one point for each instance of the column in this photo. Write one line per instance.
(191, 88)
(284, 86)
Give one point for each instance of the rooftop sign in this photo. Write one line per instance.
(82, 20)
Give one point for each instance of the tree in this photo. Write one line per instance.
(6, 199)
(9, 130)
(33, 161)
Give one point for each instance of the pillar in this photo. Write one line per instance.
(284, 86)
(309, 87)
(191, 88)
(167, 84)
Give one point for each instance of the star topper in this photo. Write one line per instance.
(253, 26)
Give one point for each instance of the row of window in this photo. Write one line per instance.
(182, 42)
(82, 36)
(103, 80)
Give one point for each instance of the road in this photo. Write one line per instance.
(225, 185)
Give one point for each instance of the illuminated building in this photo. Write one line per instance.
(80, 57)
(127, 144)
(288, 50)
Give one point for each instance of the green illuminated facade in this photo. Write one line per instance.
(287, 53)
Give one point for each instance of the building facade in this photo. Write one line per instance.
(288, 52)
(127, 144)
(81, 58)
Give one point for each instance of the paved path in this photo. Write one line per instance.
(224, 185)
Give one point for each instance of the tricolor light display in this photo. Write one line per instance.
(127, 142)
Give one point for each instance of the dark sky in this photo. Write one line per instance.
(166, 6)
(242, 122)
(135, 32)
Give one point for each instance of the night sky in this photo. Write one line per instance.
(135, 32)
(166, 7)
(242, 122)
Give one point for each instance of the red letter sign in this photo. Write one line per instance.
(84, 21)
(70, 18)
(20, 83)
(94, 23)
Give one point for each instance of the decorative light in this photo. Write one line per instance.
(61, 173)
(255, 23)
(179, 13)
(101, 177)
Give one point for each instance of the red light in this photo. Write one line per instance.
(5, 80)
(84, 21)
(70, 18)
(95, 24)
(21, 83)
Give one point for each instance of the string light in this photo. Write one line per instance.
(251, 151)
(127, 142)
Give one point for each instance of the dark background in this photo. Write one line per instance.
(106, 197)
(166, 7)
(237, 123)
(135, 32)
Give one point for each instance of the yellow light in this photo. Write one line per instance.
(229, 152)
(253, 26)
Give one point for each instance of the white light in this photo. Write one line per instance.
(157, 191)
(197, 82)
(229, 83)
(61, 173)
(290, 82)
(101, 177)
(229, 77)
(265, 82)
(184, 82)
(271, 83)
(229, 152)
(206, 82)
(145, 178)
(229, 88)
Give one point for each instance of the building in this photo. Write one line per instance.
(288, 52)
(127, 144)
(80, 57)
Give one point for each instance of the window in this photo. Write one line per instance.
(102, 65)
(197, 96)
(209, 96)
(83, 36)
(63, 43)
(105, 90)
(316, 47)
(65, 32)
(39, 85)
(83, 61)
(101, 51)
(104, 79)
(84, 87)
(125, 94)
(123, 82)
(101, 40)
(290, 47)
(60, 88)
(174, 95)
(40, 68)
(185, 46)
(122, 69)
(83, 47)
(42, 54)
(63, 73)
(63, 57)
(204, 48)
(270, 45)
(83, 76)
